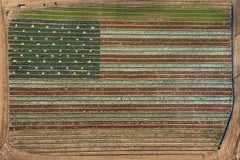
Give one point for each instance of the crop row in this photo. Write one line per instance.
(149, 8)
(156, 66)
(27, 30)
(159, 49)
(56, 43)
(130, 11)
(76, 38)
(52, 47)
(137, 14)
(34, 51)
(93, 29)
(123, 98)
(173, 18)
(43, 68)
(109, 84)
(58, 119)
(101, 81)
(79, 60)
(77, 34)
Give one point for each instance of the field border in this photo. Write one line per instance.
(3, 78)
(9, 153)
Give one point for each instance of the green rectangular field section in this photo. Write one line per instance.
(131, 13)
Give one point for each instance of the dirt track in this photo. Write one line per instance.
(3, 80)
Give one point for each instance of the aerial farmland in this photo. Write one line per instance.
(120, 80)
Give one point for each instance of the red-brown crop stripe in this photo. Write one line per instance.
(161, 41)
(117, 124)
(122, 108)
(166, 60)
(121, 25)
(120, 91)
(117, 56)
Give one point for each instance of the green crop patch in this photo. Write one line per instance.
(79, 51)
(100, 13)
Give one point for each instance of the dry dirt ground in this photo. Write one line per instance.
(3, 80)
(225, 153)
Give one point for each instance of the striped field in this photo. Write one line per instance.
(120, 80)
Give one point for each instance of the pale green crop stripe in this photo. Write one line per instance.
(121, 98)
(60, 119)
(145, 52)
(116, 102)
(164, 36)
(163, 69)
(134, 48)
(172, 32)
(188, 65)
(196, 85)
(45, 83)
(86, 115)
(95, 81)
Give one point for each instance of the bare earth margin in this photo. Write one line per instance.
(3, 79)
(9, 153)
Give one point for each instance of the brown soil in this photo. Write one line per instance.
(163, 25)
(164, 42)
(120, 108)
(118, 125)
(119, 91)
(3, 79)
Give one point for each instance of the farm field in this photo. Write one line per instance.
(120, 80)
(123, 13)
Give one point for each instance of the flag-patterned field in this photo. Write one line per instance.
(120, 80)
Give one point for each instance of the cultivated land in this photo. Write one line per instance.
(109, 84)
